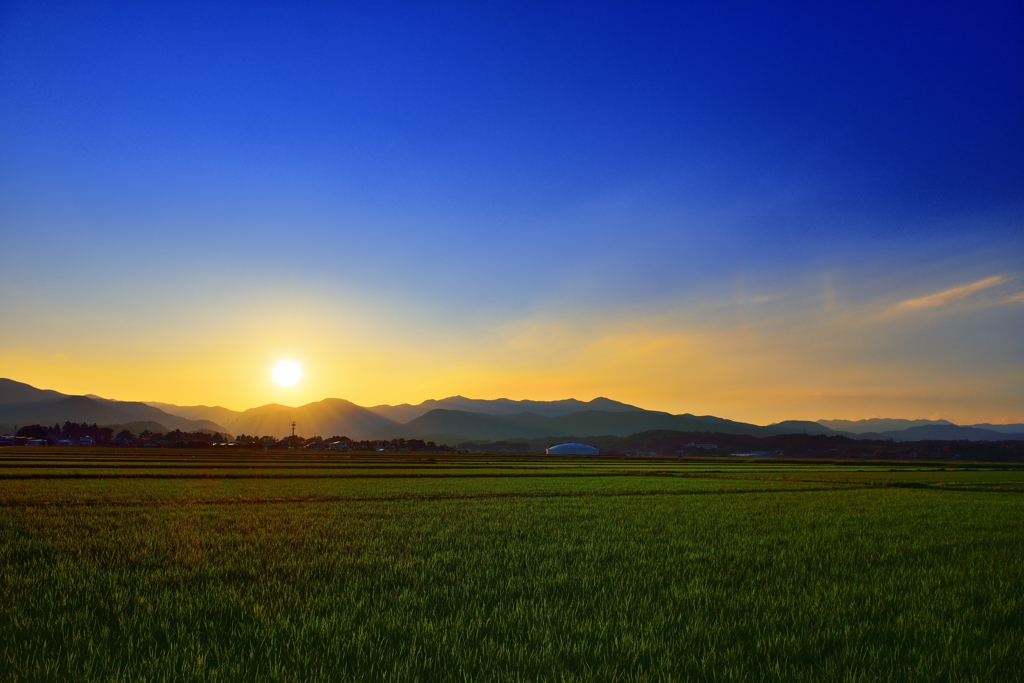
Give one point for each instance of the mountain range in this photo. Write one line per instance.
(22, 404)
(501, 406)
(451, 420)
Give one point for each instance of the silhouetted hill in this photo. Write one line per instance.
(711, 419)
(465, 425)
(448, 425)
(948, 432)
(471, 426)
(877, 425)
(1003, 429)
(217, 414)
(332, 416)
(22, 404)
(623, 424)
(18, 392)
(136, 411)
(73, 408)
(501, 406)
(137, 428)
(804, 427)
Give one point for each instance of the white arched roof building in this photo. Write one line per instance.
(572, 449)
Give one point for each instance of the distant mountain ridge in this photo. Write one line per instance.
(468, 426)
(877, 425)
(329, 417)
(1017, 428)
(215, 414)
(949, 432)
(22, 404)
(501, 406)
(141, 412)
(451, 420)
(920, 430)
(12, 393)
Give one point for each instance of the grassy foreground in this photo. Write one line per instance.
(143, 567)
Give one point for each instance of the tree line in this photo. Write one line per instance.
(69, 430)
(178, 439)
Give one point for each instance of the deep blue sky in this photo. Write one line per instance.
(466, 165)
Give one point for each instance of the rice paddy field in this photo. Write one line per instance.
(167, 566)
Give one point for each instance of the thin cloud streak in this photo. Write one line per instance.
(939, 299)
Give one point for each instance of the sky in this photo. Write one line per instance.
(740, 210)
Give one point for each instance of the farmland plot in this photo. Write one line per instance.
(206, 569)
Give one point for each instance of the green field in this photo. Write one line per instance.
(143, 566)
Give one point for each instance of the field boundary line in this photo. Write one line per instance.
(240, 500)
(525, 475)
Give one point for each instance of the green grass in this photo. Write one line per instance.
(506, 568)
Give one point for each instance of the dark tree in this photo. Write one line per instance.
(34, 431)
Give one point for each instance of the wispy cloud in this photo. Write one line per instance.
(947, 296)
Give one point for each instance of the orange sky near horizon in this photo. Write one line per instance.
(795, 356)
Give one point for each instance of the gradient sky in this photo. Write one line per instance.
(762, 214)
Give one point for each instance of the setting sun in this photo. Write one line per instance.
(287, 373)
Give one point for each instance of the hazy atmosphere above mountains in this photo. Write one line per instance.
(759, 213)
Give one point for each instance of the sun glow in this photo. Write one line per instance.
(287, 373)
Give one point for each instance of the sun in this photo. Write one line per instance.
(287, 373)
